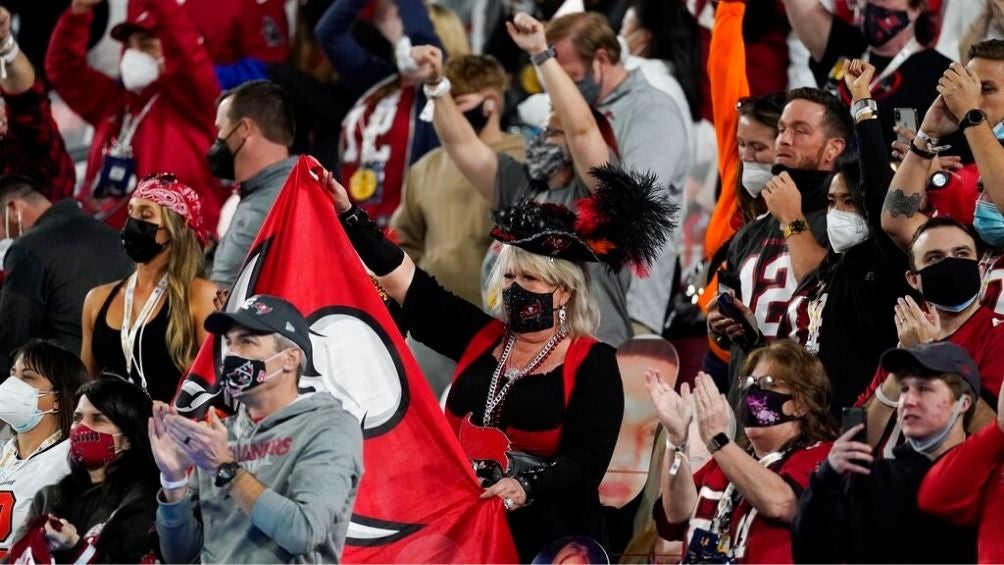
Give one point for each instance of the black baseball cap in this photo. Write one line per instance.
(266, 314)
(937, 357)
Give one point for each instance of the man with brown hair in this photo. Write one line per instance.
(650, 130)
(443, 222)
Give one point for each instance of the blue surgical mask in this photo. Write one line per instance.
(989, 223)
(999, 131)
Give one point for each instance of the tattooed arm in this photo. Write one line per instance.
(901, 214)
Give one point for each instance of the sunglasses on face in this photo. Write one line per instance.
(766, 382)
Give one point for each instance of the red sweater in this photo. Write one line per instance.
(178, 130)
(966, 487)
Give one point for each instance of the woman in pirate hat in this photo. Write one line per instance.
(536, 401)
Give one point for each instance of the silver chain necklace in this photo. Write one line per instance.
(493, 404)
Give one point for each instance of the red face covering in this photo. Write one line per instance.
(91, 449)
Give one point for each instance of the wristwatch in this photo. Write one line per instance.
(798, 226)
(717, 442)
(226, 472)
(972, 118)
(538, 58)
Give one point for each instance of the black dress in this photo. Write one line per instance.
(566, 496)
(162, 375)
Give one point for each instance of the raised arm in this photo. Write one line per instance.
(88, 92)
(727, 75)
(356, 66)
(874, 155)
(901, 214)
(475, 159)
(961, 87)
(812, 24)
(33, 140)
(193, 78)
(585, 142)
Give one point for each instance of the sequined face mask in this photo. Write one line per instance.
(762, 407)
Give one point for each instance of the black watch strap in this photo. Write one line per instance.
(972, 118)
(539, 58)
(226, 473)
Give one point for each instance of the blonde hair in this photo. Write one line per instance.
(183, 266)
(583, 312)
(450, 30)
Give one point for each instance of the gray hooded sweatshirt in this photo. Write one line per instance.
(309, 455)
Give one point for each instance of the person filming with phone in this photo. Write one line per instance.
(858, 506)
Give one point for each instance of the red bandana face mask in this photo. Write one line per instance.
(91, 449)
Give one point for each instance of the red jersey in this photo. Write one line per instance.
(982, 336)
(376, 145)
(966, 487)
(754, 539)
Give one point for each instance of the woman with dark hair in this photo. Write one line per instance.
(862, 277)
(35, 402)
(104, 510)
(667, 33)
(756, 487)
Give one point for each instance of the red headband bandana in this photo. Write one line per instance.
(165, 189)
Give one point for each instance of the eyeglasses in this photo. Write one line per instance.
(765, 382)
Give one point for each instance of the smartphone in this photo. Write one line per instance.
(728, 309)
(905, 118)
(851, 417)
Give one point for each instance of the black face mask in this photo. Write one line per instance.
(240, 374)
(763, 408)
(528, 311)
(812, 185)
(951, 284)
(139, 238)
(477, 118)
(881, 24)
(221, 160)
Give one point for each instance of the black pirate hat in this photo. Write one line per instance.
(625, 222)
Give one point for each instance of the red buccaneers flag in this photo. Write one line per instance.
(418, 501)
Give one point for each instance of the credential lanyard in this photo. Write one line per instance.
(129, 331)
(11, 450)
(131, 124)
(897, 61)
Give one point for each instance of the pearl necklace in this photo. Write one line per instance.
(497, 396)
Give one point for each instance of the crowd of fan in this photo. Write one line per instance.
(839, 255)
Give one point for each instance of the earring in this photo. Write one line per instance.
(562, 316)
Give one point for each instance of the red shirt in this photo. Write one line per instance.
(993, 281)
(754, 539)
(966, 487)
(982, 336)
(376, 144)
(181, 118)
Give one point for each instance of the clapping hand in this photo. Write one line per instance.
(675, 411)
(914, 325)
(713, 413)
(167, 453)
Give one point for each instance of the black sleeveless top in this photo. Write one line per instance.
(106, 347)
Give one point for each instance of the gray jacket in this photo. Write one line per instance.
(258, 193)
(309, 455)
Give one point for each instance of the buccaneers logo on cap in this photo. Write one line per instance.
(260, 308)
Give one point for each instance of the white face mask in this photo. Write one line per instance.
(19, 405)
(755, 177)
(138, 69)
(846, 229)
